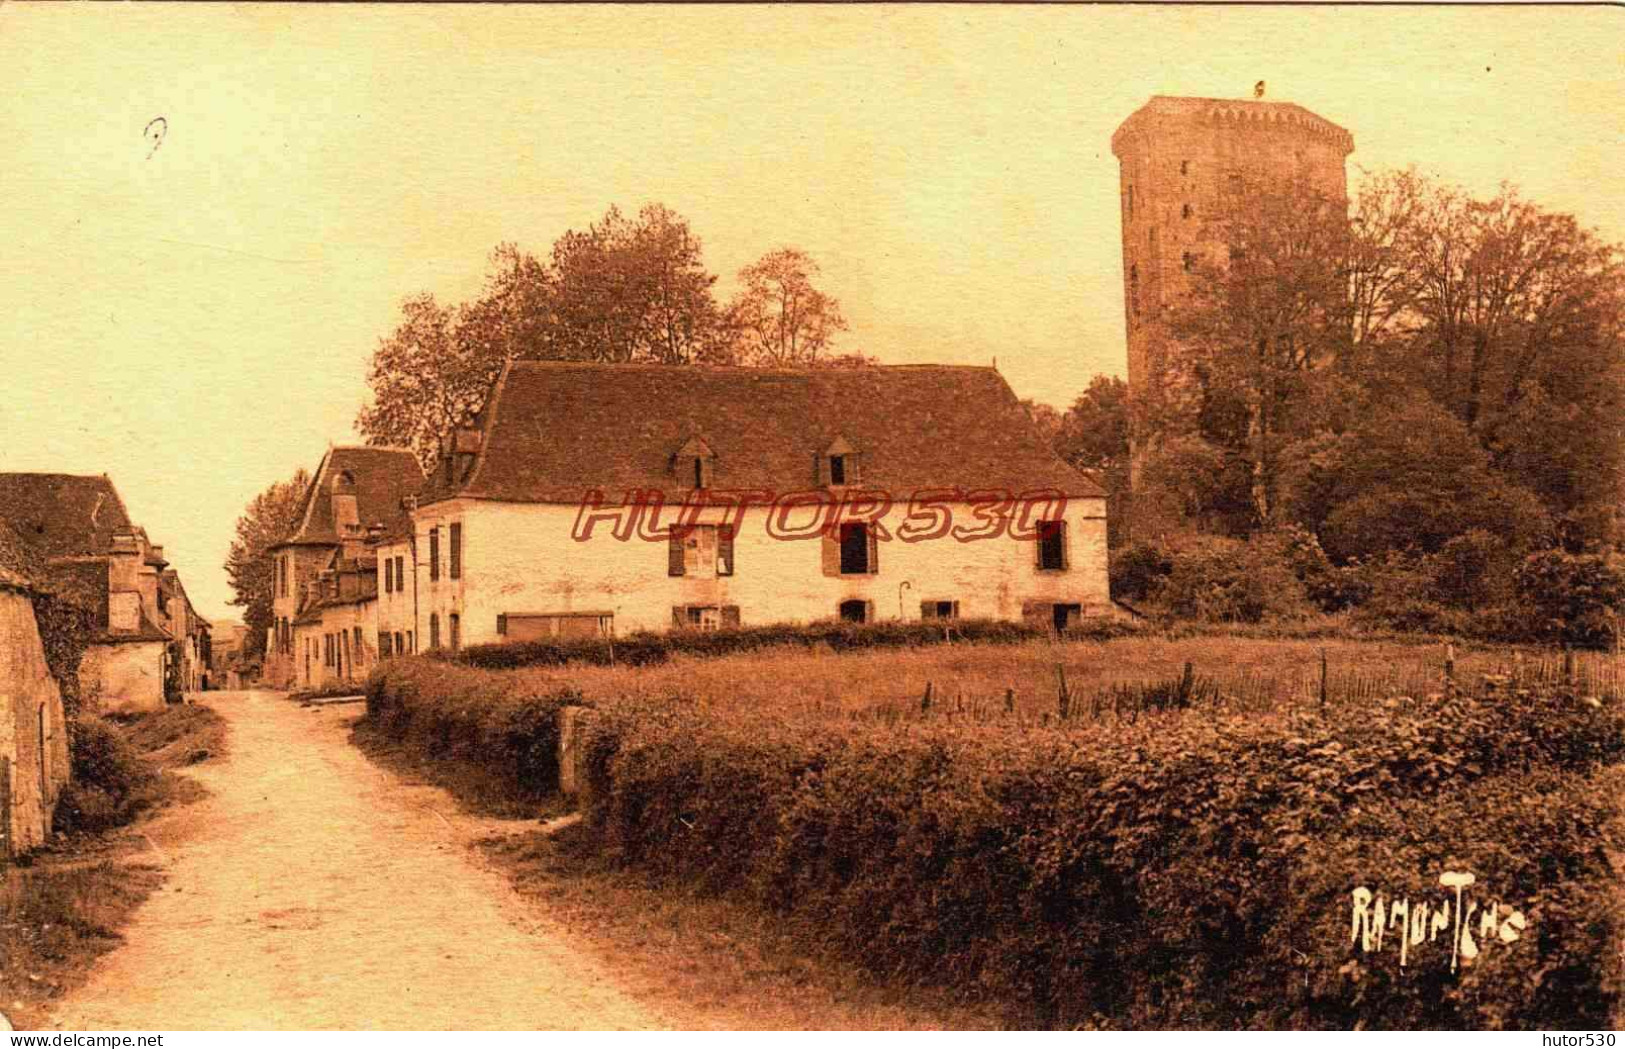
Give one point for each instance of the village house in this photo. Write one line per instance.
(189, 630)
(324, 623)
(33, 734)
(93, 555)
(335, 634)
(227, 661)
(525, 529)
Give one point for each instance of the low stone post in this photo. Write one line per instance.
(574, 782)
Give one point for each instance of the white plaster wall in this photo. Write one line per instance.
(26, 686)
(124, 677)
(340, 619)
(394, 610)
(520, 558)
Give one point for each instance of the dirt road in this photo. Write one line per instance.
(315, 890)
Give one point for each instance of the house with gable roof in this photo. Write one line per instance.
(496, 548)
(77, 528)
(33, 732)
(357, 493)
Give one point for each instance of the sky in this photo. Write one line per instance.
(195, 319)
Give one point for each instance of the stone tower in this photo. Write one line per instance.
(1180, 161)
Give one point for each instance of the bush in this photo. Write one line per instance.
(643, 649)
(1574, 598)
(1184, 871)
(1138, 569)
(1187, 874)
(1220, 580)
(110, 782)
(464, 714)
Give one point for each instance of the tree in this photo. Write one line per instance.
(634, 290)
(1260, 319)
(1410, 479)
(430, 376)
(1093, 433)
(623, 290)
(267, 520)
(780, 318)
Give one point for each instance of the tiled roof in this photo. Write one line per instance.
(62, 515)
(147, 631)
(382, 476)
(366, 571)
(555, 429)
(17, 569)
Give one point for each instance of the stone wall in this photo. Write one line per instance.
(33, 734)
(123, 678)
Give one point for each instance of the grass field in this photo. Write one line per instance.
(1236, 674)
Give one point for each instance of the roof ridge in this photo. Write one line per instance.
(370, 448)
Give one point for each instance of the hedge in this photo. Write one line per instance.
(642, 649)
(1190, 876)
(1187, 871)
(460, 713)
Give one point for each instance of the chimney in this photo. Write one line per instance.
(345, 514)
(464, 449)
(353, 541)
(124, 584)
(155, 555)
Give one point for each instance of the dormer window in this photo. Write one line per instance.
(838, 465)
(344, 481)
(694, 463)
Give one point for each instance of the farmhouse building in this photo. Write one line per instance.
(77, 528)
(33, 735)
(357, 493)
(877, 493)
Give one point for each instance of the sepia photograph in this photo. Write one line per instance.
(811, 517)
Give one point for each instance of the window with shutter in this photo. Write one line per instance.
(1052, 546)
(502, 624)
(454, 623)
(383, 646)
(730, 616)
(679, 616)
(856, 547)
(400, 569)
(434, 554)
(674, 552)
(434, 631)
(725, 550)
(456, 551)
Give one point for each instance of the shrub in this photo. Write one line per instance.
(1166, 870)
(1331, 588)
(1138, 569)
(1221, 580)
(1575, 598)
(1183, 874)
(110, 782)
(643, 649)
(473, 715)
